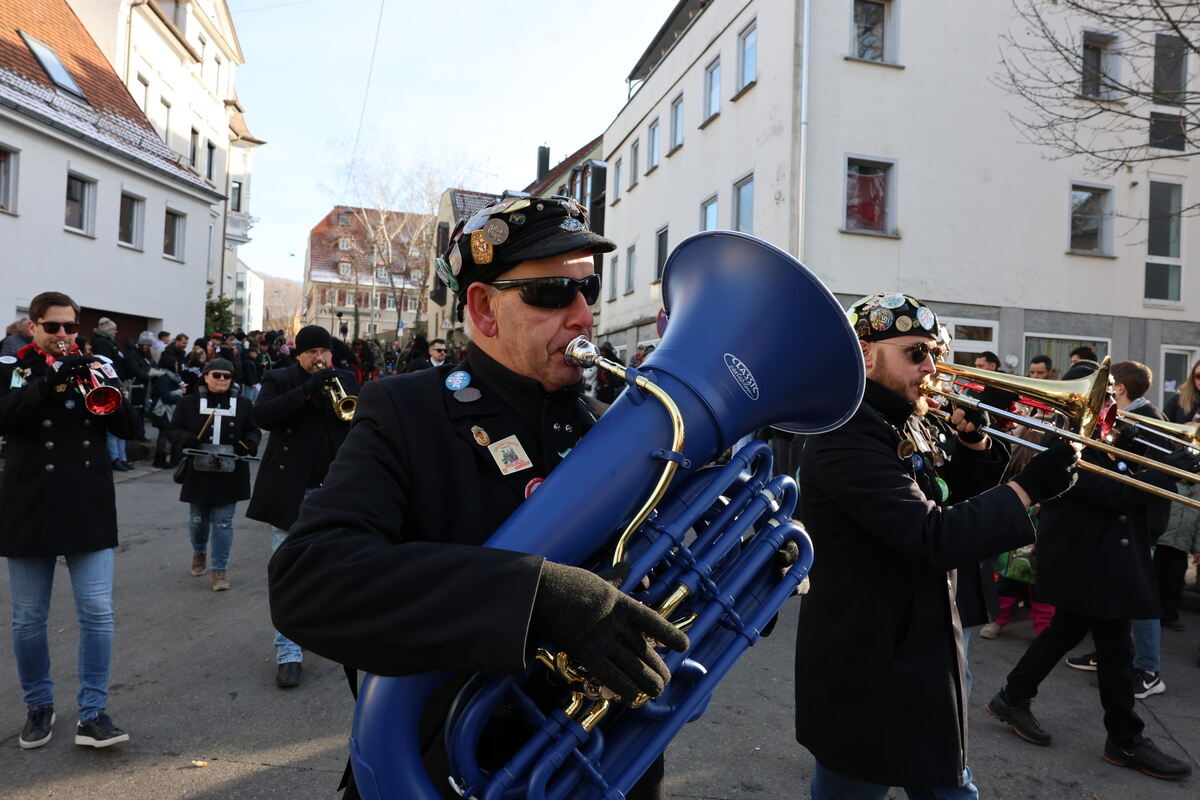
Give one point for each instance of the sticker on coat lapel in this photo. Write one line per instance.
(532, 486)
(510, 456)
(17, 380)
(458, 380)
(481, 436)
(108, 371)
(6, 360)
(467, 395)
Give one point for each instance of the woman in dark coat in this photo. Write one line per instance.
(215, 415)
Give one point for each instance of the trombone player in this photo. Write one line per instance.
(304, 406)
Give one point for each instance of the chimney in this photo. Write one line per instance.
(543, 161)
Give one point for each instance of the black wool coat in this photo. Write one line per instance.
(56, 494)
(215, 488)
(879, 676)
(305, 436)
(383, 570)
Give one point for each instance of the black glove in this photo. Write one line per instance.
(1185, 458)
(71, 366)
(603, 630)
(980, 419)
(316, 382)
(1049, 474)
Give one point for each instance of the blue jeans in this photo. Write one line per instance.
(31, 581)
(1147, 639)
(285, 649)
(116, 447)
(250, 393)
(218, 519)
(830, 785)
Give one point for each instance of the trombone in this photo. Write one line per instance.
(1185, 434)
(1081, 401)
(344, 405)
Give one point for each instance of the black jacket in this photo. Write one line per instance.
(383, 572)
(879, 676)
(56, 494)
(305, 436)
(172, 358)
(105, 345)
(215, 488)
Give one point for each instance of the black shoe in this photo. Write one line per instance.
(1019, 718)
(1147, 683)
(1085, 662)
(160, 462)
(99, 732)
(1174, 624)
(1147, 758)
(288, 675)
(37, 727)
(119, 466)
(128, 467)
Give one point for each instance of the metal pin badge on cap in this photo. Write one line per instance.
(481, 248)
(495, 231)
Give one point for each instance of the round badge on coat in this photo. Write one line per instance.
(6, 360)
(458, 379)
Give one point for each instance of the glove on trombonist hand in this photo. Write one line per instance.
(70, 367)
(1185, 458)
(603, 630)
(317, 381)
(1049, 473)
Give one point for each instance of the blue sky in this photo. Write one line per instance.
(474, 86)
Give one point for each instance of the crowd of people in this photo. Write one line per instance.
(930, 527)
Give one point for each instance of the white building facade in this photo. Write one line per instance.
(881, 153)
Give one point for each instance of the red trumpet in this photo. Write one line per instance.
(98, 398)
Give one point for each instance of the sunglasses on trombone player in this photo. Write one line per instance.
(921, 350)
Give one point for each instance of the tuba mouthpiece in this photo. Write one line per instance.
(581, 353)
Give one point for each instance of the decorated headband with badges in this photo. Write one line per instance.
(890, 314)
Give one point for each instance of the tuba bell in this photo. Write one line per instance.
(706, 552)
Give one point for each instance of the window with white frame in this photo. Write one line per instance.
(1164, 265)
(1098, 65)
(747, 56)
(869, 196)
(743, 205)
(164, 119)
(872, 31)
(617, 181)
(1176, 369)
(391, 302)
(969, 338)
(652, 149)
(1170, 70)
(661, 251)
(130, 221)
(1168, 131)
(1058, 347)
(343, 268)
(410, 303)
(708, 214)
(173, 232)
(81, 204)
(712, 89)
(194, 148)
(235, 195)
(8, 160)
(1091, 219)
(677, 122)
(344, 243)
(612, 278)
(629, 269)
(634, 150)
(143, 93)
(48, 58)
(210, 165)
(382, 273)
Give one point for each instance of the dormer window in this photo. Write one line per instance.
(344, 243)
(343, 267)
(54, 68)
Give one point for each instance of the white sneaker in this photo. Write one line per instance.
(989, 631)
(1146, 684)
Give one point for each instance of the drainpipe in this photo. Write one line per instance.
(802, 171)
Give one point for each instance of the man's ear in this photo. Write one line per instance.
(481, 305)
(868, 353)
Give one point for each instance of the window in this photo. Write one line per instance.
(629, 270)
(617, 181)
(129, 227)
(344, 219)
(54, 68)
(708, 214)
(235, 195)
(1164, 266)
(1175, 370)
(1167, 132)
(969, 338)
(612, 278)
(81, 200)
(173, 234)
(748, 56)
(1098, 68)
(652, 146)
(1170, 70)
(634, 150)
(870, 30)
(743, 205)
(410, 303)
(343, 267)
(203, 51)
(661, 252)
(217, 74)
(391, 302)
(382, 273)
(341, 298)
(344, 243)
(712, 89)
(1091, 215)
(868, 186)
(143, 93)
(1059, 348)
(677, 122)
(164, 119)
(194, 148)
(210, 164)
(7, 160)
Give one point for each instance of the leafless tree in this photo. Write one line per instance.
(1105, 80)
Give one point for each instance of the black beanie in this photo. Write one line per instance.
(311, 336)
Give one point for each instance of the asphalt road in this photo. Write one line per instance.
(193, 681)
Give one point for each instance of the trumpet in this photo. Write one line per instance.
(98, 398)
(344, 405)
(1080, 401)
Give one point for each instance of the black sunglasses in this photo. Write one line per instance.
(554, 292)
(438, 349)
(921, 350)
(221, 376)
(52, 327)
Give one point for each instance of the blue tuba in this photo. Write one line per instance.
(754, 340)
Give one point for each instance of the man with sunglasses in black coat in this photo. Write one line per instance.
(894, 504)
(383, 572)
